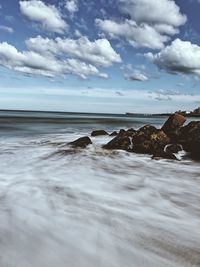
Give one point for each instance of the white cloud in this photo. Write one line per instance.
(71, 6)
(179, 57)
(31, 62)
(165, 12)
(77, 33)
(134, 73)
(6, 29)
(136, 76)
(48, 16)
(138, 36)
(99, 52)
(150, 23)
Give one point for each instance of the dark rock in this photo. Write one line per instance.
(114, 133)
(122, 141)
(131, 131)
(190, 139)
(172, 126)
(190, 133)
(121, 133)
(160, 154)
(143, 134)
(81, 142)
(99, 132)
(195, 151)
(119, 142)
(173, 148)
(149, 140)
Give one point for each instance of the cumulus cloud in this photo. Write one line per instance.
(72, 6)
(60, 56)
(48, 16)
(98, 53)
(149, 23)
(138, 36)
(31, 62)
(136, 76)
(178, 57)
(6, 29)
(158, 12)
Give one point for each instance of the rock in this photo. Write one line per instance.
(81, 142)
(128, 133)
(190, 138)
(173, 148)
(143, 134)
(121, 133)
(195, 151)
(190, 133)
(131, 131)
(114, 133)
(122, 141)
(119, 142)
(150, 142)
(160, 154)
(99, 132)
(172, 126)
(147, 139)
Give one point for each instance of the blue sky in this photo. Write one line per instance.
(100, 56)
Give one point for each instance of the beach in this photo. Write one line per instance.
(92, 207)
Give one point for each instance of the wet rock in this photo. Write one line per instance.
(114, 133)
(149, 140)
(121, 133)
(173, 148)
(119, 142)
(146, 138)
(128, 133)
(190, 138)
(81, 142)
(173, 125)
(122, 141)
(131, 131)
(144, 132)
(98, 133)
(195, 151)
(160, 154)
(190, 133)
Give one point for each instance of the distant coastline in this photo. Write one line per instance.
(195, 113)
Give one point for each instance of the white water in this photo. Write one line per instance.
(92, 207)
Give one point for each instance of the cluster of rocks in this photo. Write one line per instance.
(160, 143)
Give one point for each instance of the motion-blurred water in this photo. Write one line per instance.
(83, 208)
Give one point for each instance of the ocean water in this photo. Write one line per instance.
(83, 208)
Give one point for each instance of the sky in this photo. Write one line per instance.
(107, 56)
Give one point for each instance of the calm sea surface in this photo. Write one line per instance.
(92, 208)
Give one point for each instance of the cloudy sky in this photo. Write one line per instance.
(100, 56)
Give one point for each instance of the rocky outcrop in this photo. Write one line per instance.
(173, 148)
(122, 141)
(160, 154)
(146, 140)
(190, 138)
(82, 142)
(161, 143)
(114, 133)
(173, 125)
(119, 142)
(98, 133)
(149, 140)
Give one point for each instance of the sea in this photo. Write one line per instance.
(64, 207)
